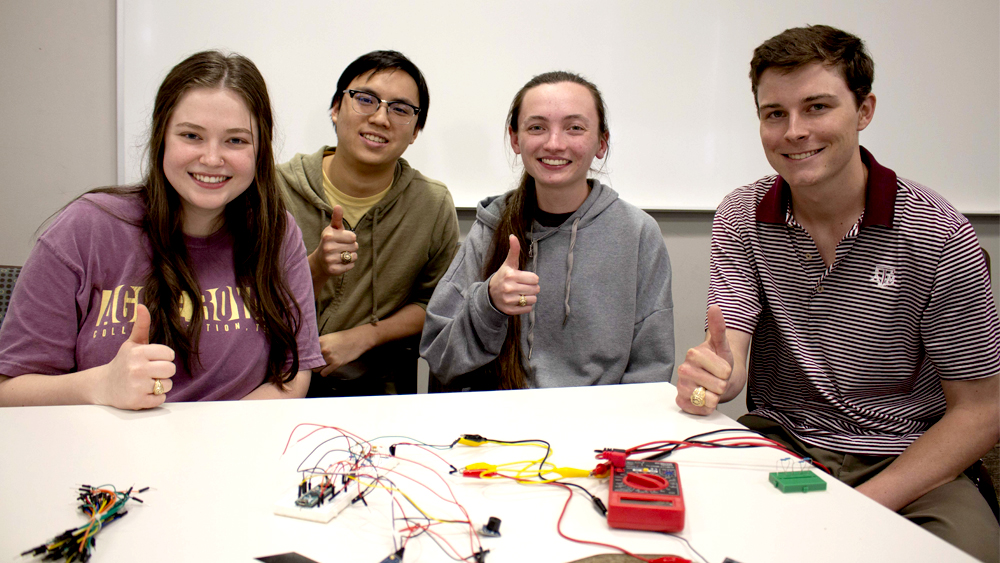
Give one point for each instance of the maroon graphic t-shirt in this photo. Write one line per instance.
(75, 300)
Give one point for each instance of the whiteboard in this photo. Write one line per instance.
(673, 72)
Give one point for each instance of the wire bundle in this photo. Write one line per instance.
(539, 472)
(358, 469)
(360, 465)
(102, 505)
(663, 448)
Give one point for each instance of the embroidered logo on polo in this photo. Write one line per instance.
(884, 276)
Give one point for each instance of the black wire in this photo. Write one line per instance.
(446, 551)
(691, 547)
(406, 540)
(370, 488)
(442, 548)
(392, 449)
(352, 442)
(517, 441)
(348, 450)
(548, 452)
(582, 488)
(693, 440)
(317, 466)
(702, 435)
(418, 442)
(426, 530)
(548, 449)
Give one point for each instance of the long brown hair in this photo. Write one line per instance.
(519, 208)
(256, 220)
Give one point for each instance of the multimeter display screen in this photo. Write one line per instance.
(647, 502)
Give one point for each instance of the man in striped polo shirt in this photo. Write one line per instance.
(875, 338)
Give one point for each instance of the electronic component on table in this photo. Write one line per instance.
(796, 481)
(315, 496)
(102, 505)
(491, 529)
(646, 495)
(794, 476)
(322, 504)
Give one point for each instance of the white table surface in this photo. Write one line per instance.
(216, 470)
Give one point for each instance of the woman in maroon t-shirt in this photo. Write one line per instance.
(206, 221)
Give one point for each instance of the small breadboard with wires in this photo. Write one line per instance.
(321, 499)
(796, 477)
(408, 485)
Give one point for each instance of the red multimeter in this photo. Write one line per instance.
(646, 495)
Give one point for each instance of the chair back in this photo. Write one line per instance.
(8, 275)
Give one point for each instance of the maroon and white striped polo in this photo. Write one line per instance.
(849, 357)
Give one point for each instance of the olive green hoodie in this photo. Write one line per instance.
(405, 242)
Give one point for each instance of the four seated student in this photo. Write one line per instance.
(875, 345)
(559, 282)
(875, 340)
(379, 233)
(182, 288)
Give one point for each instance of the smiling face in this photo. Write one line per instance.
(809, 125)
(558, 135)
(208, 155)
(374, 140)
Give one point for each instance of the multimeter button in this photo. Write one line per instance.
(645, 481)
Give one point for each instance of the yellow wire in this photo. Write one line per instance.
(535, 444)
(530, 469)
(394, 489)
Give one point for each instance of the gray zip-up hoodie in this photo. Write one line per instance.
(604, 313)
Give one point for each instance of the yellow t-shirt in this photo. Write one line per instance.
(354, 207)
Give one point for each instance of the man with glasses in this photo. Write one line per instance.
(379, 234)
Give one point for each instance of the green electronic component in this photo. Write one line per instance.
(796, 481)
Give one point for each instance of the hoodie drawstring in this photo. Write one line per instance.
(533, 254)
(569, 268)
(374, 268)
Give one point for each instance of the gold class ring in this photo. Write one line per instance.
(698, 396)
(346, 257)
(157, 387)
(522, 302)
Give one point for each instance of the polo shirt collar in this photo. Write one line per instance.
(880, 197)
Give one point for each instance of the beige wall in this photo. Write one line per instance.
(58, 110)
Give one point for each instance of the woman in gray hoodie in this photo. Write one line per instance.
(559, 281)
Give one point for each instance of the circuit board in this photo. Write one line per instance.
(321, 502)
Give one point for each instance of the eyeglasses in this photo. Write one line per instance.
(400, 113)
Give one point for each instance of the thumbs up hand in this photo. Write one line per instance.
(513, 291)
(128, 381)
(338, 247)
(707, 366)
